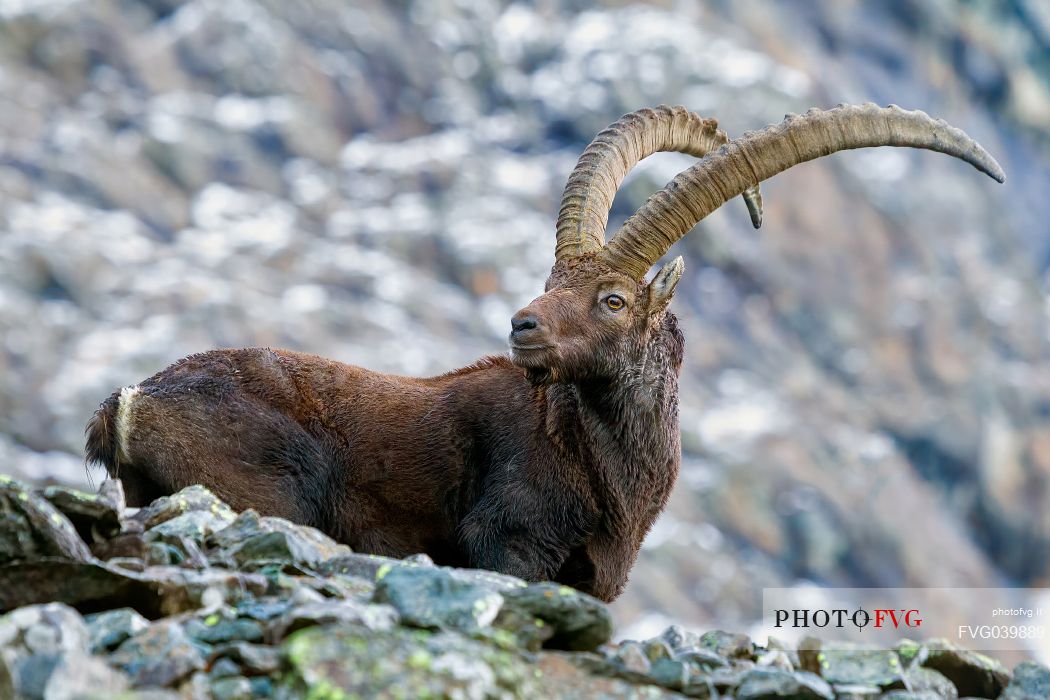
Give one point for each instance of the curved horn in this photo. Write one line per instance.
(694, 193)
(589, 193)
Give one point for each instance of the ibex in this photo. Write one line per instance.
(549, 464)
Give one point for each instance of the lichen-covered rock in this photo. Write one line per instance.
(189, 499)
(432, 598)
(774, 644)
(73, 673)
(313, 619)
(776, 684)
(727, 678)
(43, 653)
(571, 620)
(922, 679)
(365, 566)
(689, 670)
(221, 667)
(678, 638)
(96, 516)
(656, 649)
(776, 658)
(478, 577)
(971, 673)
(670, 673)
(350, 660)
(159, 656)
(194, 525)
(51, 628)
(264, 608)
(232, 688)
(729, 645)
(557, 676)
(30, 527)
(110, 628)
(217, 628)
(856, 691)
(32, 673)
(181, 589)
(7, 679)
(702, 658)
(126, 546)
(854, 664)
(700, 686)
(154, 591)
(176, 550)
(249, 659)
(377, 617)
(1031, 681)
(279, 547)
(73, 583)
(632, 659)
(140, 694)
(911, 652)
(253, 541)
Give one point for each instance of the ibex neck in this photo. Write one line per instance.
(628, 424)
(639, 418)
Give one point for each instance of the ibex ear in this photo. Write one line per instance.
(662, 287)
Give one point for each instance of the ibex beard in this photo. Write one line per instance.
(551, 464)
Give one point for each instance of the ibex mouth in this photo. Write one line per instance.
(530, 347)
(531, 357)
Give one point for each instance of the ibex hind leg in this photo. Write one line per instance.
(247, 453)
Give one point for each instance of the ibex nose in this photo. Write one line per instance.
(520, 323)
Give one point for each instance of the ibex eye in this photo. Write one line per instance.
(615, 302)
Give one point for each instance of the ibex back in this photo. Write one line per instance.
(551, 463)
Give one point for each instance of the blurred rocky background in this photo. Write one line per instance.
(866, 394)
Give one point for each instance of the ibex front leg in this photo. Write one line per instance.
(525, 531)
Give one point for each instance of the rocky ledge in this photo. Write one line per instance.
(187, 599)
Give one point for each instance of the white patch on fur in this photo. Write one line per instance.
(127, 397)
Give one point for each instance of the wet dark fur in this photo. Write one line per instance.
(493, 465)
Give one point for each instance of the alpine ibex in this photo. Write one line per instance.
(551, 463)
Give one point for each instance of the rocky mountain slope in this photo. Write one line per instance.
(866, 391)
(186, 599)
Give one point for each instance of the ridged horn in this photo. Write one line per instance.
(744, 162)
(591, 187)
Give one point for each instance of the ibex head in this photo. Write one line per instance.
(593, 322)
(598, 317)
